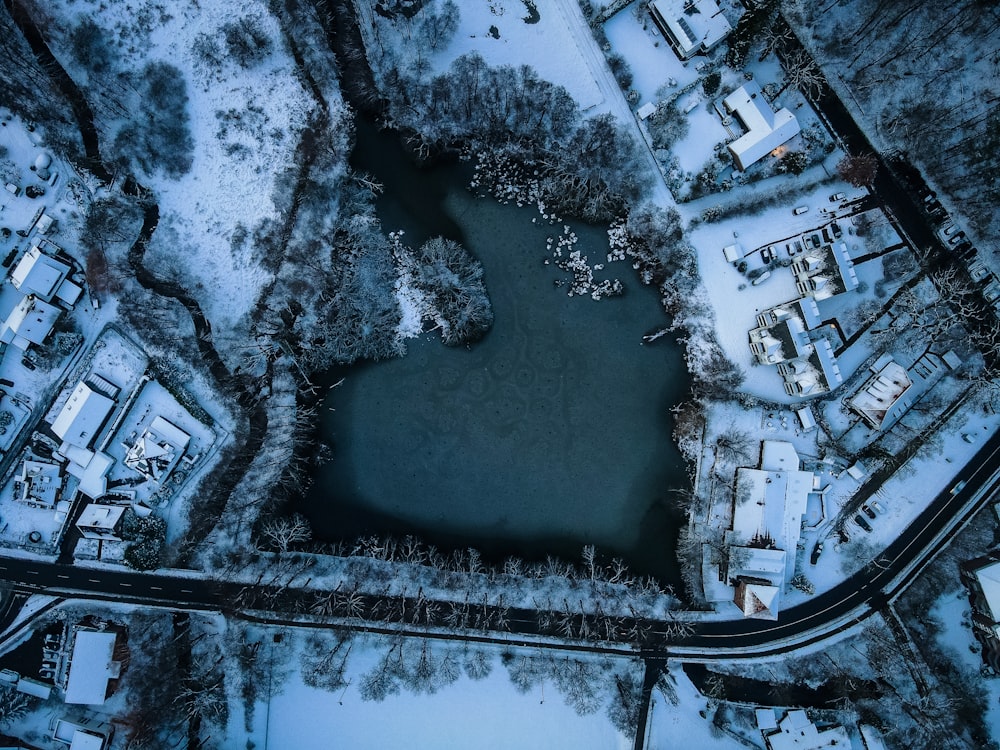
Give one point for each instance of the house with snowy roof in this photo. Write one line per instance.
(767, 522)
(808, 367)
(982, 577)
(156, 452)
(87, 733)
(690, 26)
(796, 732)
(83, 415)
(100, 521)
(30, 322)
(766, 129)
(892, 389)
(45, 277)
(824, 272)
(39, 482)
(91, 667)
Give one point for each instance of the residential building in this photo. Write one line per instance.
(45, 277)
(99, 521)
(767, 522)
(157, 451)
(30, 322)
(824, 272)
(766, 129)
(796, 732)
(91, 667)
(982, 577)
(82, 734)
(807, 366)
(757, 576)
(892, 390)
(83, 415)
(690, 26)
(39, 482)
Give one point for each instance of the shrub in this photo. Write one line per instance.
(246, 41)
(711, 83)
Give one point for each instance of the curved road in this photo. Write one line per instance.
(819, 618)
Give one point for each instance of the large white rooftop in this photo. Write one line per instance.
(91, 667)
(766, 129)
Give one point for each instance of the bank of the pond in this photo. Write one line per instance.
(550, 433)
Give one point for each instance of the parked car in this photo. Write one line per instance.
(956, 238)
(837, 231)
(868, 512)
(817, 551)
(876, 506)
(948, 229)
(837, 197)
(27, 363)
(961, 247)
(767, 254)
(799, 210)
(862, 523)
(762, 278)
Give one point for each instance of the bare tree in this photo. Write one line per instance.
(802, 72)
(284, 532)
(858, 169)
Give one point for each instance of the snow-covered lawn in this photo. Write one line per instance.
(684, 720)
(517, 43)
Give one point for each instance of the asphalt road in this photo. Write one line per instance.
(852, 600)
(870, 588)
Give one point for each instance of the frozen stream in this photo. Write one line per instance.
(552, 432)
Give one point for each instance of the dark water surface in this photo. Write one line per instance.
(550, 433)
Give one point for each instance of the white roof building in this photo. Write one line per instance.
(766, 129)
(99, 521)
(30, 322)
(881, 400)
(82, 416)
(39, 274)
(91, 667)
(796, 732)
(156, 452)
(40, 481)
(771, 500)
(690, 26)
(759, 578)
(90, 469)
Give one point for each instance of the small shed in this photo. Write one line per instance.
(734, 253)
(646, 110)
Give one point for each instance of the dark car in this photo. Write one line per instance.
(860, 521)
(817, 551)
(962, 246)
(837, 231)
(27, 363)
(868, 512)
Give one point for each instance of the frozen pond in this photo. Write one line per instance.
(550, 433)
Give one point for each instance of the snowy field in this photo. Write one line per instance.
(227, 191)
(517, 42)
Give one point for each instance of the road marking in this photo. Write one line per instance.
(156, 588)
(186, 591)
(62, 575)
(129, 585)
(31, 572)
(93, 580)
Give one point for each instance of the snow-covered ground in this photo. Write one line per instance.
(245, 123)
